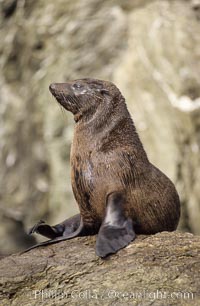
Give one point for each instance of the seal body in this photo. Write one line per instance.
(119, 192)
(111, 159)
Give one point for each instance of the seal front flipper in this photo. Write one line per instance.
(62, 229)
(116, 231)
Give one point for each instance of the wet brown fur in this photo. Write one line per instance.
(107, 156)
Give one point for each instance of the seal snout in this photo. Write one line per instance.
(52, 87)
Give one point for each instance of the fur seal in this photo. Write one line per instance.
(119, 192)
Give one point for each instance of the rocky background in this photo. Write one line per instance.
(150, 49)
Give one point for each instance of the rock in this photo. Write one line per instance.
(153, 270)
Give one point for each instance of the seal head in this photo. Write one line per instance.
(83, 97)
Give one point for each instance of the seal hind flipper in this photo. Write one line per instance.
(62, 229)
(67, 233)
(46, 230)
(116, 231)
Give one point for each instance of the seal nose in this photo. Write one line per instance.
(52, 87)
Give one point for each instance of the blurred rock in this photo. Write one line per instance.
(150, 49)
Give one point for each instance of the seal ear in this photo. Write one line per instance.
(116, 231)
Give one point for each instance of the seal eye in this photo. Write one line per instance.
(77, 86)
(104, 92)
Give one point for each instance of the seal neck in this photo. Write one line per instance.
(109, 127)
